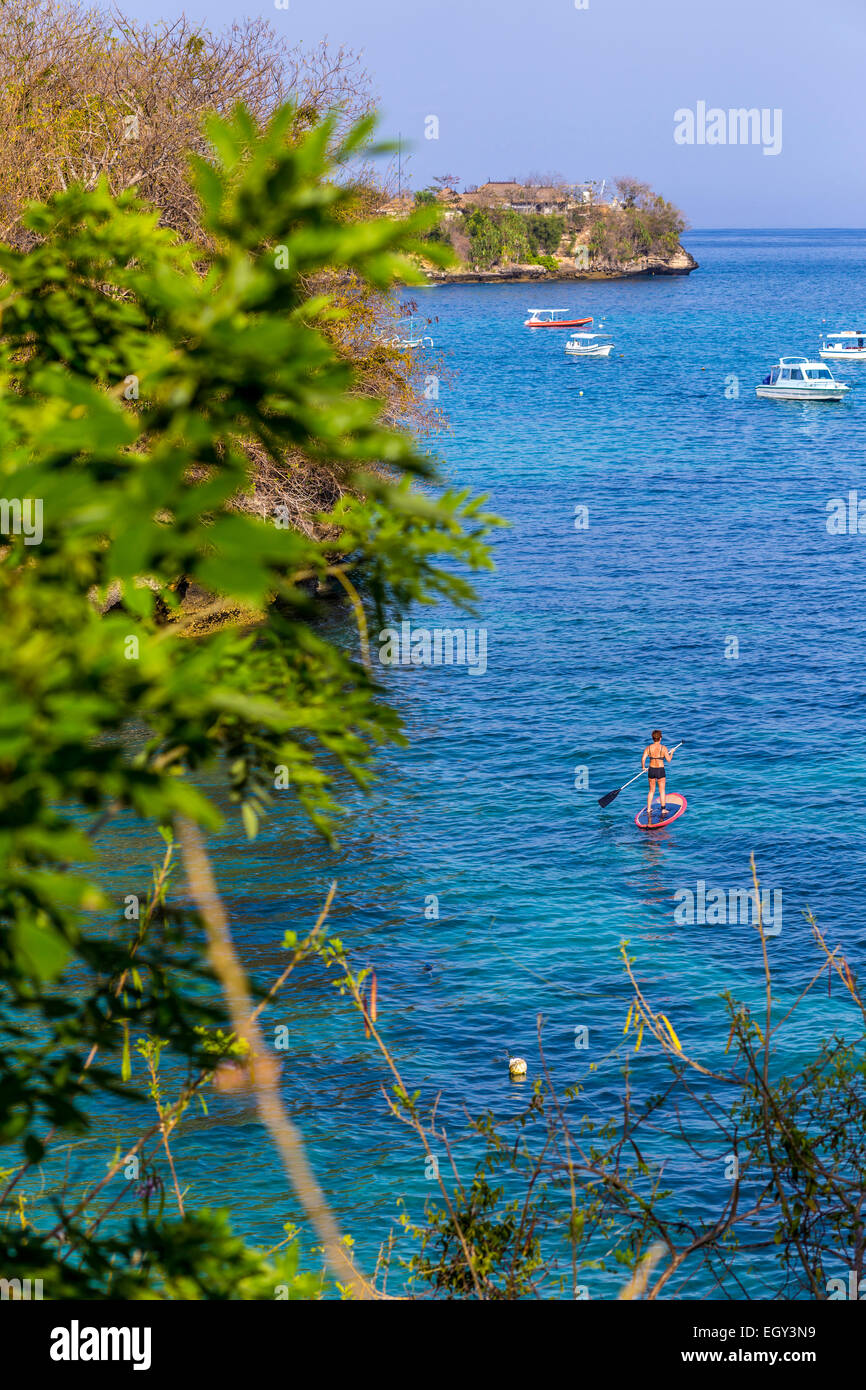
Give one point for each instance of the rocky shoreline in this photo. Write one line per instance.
(679, 262)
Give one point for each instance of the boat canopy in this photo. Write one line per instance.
(798, 369)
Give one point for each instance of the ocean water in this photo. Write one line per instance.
(705, 597)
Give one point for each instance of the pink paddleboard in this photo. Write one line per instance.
(676, 804)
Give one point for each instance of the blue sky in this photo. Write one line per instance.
(591, 93)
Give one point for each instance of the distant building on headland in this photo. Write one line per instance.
(528, 197)
(508, 194)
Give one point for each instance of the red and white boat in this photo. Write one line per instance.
(546, 318)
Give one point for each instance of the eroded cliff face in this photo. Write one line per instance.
(678, 262)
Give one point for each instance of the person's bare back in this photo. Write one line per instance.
(658, 755)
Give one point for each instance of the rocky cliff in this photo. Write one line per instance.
(678, 262)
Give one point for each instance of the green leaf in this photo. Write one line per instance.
(40, 951)
(250, 820)
(126, 1064)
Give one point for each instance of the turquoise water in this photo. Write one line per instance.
(707, 517)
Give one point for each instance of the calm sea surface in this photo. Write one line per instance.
(707, 517)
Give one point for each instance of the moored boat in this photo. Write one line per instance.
(847, 346)
(408, 338)
(589, 345)
(799, 379)
(545, 318)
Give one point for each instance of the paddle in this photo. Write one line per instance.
(612, 796)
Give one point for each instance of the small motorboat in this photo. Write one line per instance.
(546, 318)
(798, 379)
(589, 345)
(848, 346)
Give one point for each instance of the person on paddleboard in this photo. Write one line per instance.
(658, 755)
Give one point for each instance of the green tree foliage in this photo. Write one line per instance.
(644, 224)
(545, 231)
(502, 236)
(427, 198)
(487, 1242)
(131, 377)
(485, 241)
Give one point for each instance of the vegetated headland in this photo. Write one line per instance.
(551, 230)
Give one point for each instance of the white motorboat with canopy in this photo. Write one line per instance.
(847, 346)
(589, 345)
(799, 379)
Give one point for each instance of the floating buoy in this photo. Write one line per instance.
(516, 1068)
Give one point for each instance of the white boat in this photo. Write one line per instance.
(847, 346)
(799, 379)
(409, 338)
(414, 342)
(589, 345)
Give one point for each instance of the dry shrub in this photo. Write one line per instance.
(87, 92)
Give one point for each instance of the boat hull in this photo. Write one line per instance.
(790, 392)
(590, 352)
(843, 355)
(556, 323)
